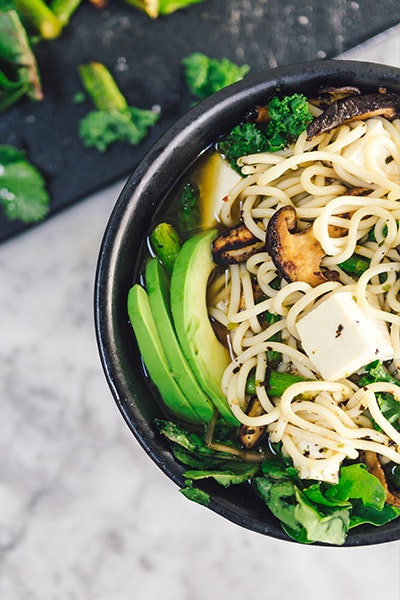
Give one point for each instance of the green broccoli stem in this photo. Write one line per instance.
(40, 17)
(64, 9)
(276, 385)
(101, 87)
(166, 243)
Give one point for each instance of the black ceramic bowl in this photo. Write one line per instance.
(121, 248)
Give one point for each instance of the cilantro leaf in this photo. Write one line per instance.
(23, 193)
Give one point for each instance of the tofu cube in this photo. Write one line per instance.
(340, 338)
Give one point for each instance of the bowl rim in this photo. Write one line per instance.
(133, 205)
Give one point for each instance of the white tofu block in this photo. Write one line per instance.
(340, 338)
(217, 180)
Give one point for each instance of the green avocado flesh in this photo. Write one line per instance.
(157, 285)
(154, 358)
(205, 354)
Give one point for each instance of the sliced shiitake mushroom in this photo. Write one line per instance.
(296, 255)
(330, 94)
(353, 108)
(236, 245)
(375, 467)
(251, 436)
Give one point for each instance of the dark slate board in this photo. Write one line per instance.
(145, 57)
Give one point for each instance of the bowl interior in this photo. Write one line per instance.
(121, 251)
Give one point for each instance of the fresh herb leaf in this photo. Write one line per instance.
(23, 193)
(205, 75)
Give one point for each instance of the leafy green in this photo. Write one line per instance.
(195, 494)
(205, 75)
(234, 474)
(19, 74)
(249, 138)
(102, 128)
(23, 193)
(113, 121)
(389, 406)
(287, 119)
(321, 512)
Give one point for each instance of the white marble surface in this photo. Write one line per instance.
(84, 513)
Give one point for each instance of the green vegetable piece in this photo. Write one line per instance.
(207, 357)
(101, 87)
(328, 528)
(16, 55)
(149, 343)
(236, 474)
(189, 207)
(355, 482)
(155, 8)
(166, 243)
(169, 6)
(205, 75)
(362, 514)
(278, 382)
(288, 118)
(64, 9)
(113, 121)
(355, 265)
(245, 139)
(40, 17)
(195, 494)
(157, 285)
(23, 193)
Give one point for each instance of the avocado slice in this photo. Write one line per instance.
(156, 363)
(157, 286)
(205, 354)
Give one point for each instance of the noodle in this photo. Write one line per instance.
(319, 423)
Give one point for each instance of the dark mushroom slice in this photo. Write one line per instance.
(354, 108)
(251, 436)
(296, 255)
(375, 467)
(329, 95)
(236, 245)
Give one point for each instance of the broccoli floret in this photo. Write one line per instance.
(287, 119)
(113, 121)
